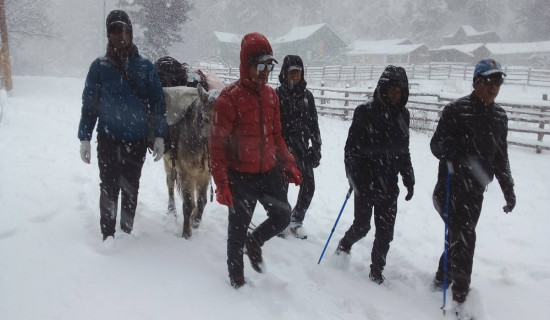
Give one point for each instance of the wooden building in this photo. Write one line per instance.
(465, 53)
(384, 52)
(468, 34)
(317, 45)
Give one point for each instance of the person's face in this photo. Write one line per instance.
(119, 36)
(487, 89)
(394, 93)
(294, 76)
(259, 72)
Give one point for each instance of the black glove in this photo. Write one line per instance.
(410, 192)
(314, 156)
(510, 197)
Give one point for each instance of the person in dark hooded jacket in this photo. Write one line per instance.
(376, 151)
(301, 134)
(471, 144)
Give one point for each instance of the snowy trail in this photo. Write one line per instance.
(53, 264)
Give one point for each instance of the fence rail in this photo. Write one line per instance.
(515, 74)
(527, 124)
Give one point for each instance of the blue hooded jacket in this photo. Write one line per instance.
(109, 100)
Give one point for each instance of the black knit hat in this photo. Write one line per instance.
(118, 16)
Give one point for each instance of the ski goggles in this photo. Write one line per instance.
(262, 66)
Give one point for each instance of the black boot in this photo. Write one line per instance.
(237, 281)
(342, 248)
(254, 252)
(375, 275)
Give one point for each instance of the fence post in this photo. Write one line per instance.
(340, 73)
(466, 69)
(346, 102)
(429, 72)
(528, 75)
(450, 67)
(354, 70)
(323, 75)
(413, 71)
(371, 67)
(323, 101)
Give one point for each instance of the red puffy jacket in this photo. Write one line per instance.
(245, 134)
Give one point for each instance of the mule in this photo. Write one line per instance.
(188, 165)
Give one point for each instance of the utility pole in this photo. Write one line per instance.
(5, 66)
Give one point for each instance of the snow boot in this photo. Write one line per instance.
(376, 276)
(297, 230)
(283, 234)
(437, 284)
(237, 281)
(254, 252)
(342, 249)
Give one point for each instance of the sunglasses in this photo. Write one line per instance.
(262, 66)
(492, 81)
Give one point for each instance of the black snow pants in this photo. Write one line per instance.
(120, 166)
(307, 189)
(248, 189)
(385, 212)
(466, 199)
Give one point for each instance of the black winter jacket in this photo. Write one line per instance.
(298, 114)
(473, 137)
(377, 148)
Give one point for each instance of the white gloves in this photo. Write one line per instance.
(158, 148)
(85, 151)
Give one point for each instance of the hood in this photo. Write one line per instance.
(396, 76)
(253, 45)
(291, 60)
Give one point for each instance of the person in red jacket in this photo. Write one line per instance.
(245, 146)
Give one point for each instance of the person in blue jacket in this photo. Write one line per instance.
(123, 95)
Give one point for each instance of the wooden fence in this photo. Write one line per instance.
(527, 124)
(347, 74)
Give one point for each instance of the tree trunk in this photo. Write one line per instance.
(5, 66)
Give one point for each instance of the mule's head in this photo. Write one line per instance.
(207, 98)
(205, 101)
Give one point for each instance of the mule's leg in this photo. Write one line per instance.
(202, 188)
(170, 182)
(187, 208)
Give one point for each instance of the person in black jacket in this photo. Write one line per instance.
(301, 134)
(376, 151)
(471, 144)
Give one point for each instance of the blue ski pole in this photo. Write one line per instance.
(446, 247)
(335, 223)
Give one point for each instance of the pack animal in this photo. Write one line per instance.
(188, 165)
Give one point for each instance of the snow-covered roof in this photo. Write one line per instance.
(365, 44)
(385, 49)
(299, 33)
(525, 47)
(466, 48)
(469, 31)
(228, 37)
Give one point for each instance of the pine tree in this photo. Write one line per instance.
(160, 21)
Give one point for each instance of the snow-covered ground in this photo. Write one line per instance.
(53, 264)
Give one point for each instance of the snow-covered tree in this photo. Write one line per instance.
(160, 21)
(534, 20)
(27, 18)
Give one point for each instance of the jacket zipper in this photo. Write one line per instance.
(261, 133)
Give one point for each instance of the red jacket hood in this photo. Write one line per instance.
(253, 45)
